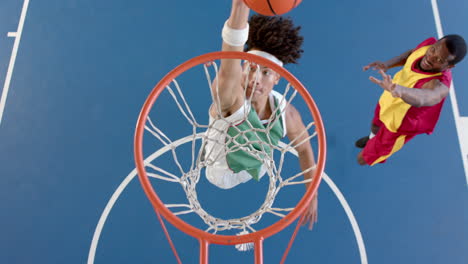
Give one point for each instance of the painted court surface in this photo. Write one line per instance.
(75, 75)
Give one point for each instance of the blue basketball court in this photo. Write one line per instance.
(75, 75)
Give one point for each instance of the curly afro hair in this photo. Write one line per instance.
(277, 36)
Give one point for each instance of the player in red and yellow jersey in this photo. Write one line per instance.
(412, 101)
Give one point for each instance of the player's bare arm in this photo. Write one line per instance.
(227, 88)
(431, 93)
(394, 62)
(296, 131)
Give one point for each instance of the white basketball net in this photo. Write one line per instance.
(189, 177)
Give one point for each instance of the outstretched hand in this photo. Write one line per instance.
(376, 65)
(386, 83)
(238, 2)
(311, 213)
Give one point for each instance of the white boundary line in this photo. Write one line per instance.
(461, 123)
(17, 36)
(352, 219)
(133, 173)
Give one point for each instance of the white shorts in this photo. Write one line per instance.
(217, 169)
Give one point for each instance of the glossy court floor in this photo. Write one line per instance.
(76, 74)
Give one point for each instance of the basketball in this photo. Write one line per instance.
(272, 7)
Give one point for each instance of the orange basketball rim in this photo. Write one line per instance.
(206, 238)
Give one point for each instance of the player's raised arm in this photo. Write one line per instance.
(296, 131)
(431, 93)
(393, 62)
(235, 33)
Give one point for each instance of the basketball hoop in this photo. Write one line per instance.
(205, 238)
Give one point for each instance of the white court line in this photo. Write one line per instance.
(462, 128)
(131, 176)
(349, 213)
(346, 207)
(17, 36)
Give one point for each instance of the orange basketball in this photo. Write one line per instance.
(272, 7)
